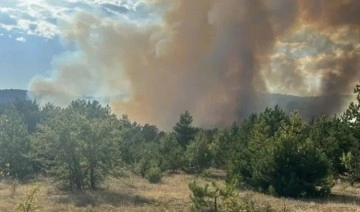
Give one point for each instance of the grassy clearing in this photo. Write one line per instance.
(133, 193)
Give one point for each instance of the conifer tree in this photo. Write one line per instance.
(183, 129)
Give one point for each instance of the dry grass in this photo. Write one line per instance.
(172, 194)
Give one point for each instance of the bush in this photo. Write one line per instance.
(171, 153)
(215, 198)
(300, 170)
(204, 198)
(153, 174)
(251, 163)
(198, 156)
(29, 203)
(352, 164)
(286, 163)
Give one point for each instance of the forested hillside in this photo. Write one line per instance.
(308, 107)
(10, 95)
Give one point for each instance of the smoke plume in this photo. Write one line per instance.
(211, 57)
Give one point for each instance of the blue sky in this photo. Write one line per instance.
(22, 60)
(30, 37)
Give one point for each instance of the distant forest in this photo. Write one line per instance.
(308, 107)
(10, 95)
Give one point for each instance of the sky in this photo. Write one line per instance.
(153, 59)
(30, 37)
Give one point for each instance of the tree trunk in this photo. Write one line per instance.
(92, 178)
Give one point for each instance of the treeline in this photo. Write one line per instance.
(9, 95)
(272, 151)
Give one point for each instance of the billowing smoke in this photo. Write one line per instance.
(212, 57)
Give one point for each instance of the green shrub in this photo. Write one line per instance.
(29, 204)
(153, 174)
(300, 168)
(171, 153)
(198, 156)
(284, 163)
(352, 165)
(214, 198)
(204, 198)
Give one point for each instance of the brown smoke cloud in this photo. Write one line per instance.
(211, 57)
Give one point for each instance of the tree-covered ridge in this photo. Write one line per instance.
(272, 151)
(10, 95)
(308, 107)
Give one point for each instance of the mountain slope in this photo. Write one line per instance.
(307, 106)
(10, 95)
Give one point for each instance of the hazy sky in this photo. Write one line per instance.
(153, 59)
(29, 33)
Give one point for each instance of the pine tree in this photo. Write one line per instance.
(14, 144)
(78, 145)
(183, 129)
(351, 159)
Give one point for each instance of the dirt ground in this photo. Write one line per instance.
(132, 193)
